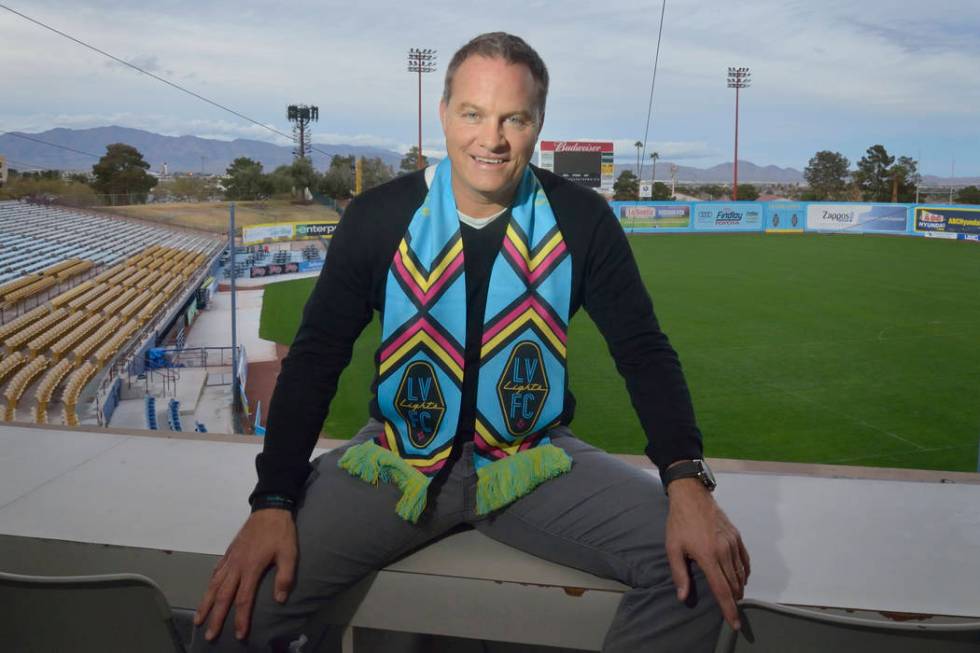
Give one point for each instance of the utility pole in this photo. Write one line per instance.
(738, 78)
(421, 61)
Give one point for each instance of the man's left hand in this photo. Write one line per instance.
(698, 529)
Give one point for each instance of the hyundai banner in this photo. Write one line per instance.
(934, 220)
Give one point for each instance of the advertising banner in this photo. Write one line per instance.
(274, 269)
(258, 233)
(785, 216)
(857, 218)
(311, 266)
(264, 233)
(305, 230)
(648, 216)
(719, 216)
(944, 220)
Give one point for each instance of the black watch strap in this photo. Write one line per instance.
(688, 469)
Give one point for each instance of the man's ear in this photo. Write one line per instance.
(442, 113)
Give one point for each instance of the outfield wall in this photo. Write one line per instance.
(960, 222)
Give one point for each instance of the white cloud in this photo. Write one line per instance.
(845, 72)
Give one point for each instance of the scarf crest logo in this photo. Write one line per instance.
(419, 402)
(522, 388)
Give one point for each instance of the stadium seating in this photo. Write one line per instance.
(73, 387)
(22, 337)
(173, 415)
(46, 387)
(151, 412)
(90, 344)
(15, 388)
(63, 345)
(200, 428)
(10, 363)
(12, 327)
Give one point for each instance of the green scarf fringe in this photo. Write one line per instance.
(372, 463)
(504, 481)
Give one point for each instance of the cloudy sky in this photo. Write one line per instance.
(827, 74)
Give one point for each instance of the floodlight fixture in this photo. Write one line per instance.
(421, 60)
(738, 78)
(301, 116)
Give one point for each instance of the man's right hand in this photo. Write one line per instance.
(268, 537)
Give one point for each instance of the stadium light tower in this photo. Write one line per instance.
(301, 116)
(738, 78)
(421, 61)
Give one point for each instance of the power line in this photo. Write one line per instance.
(60, 147)
(154, 76)
(653, 84)
(33, 166)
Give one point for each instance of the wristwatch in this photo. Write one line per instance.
(689, 469)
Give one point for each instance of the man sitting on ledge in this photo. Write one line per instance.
(476, 266)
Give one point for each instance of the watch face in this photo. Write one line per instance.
(707, 476)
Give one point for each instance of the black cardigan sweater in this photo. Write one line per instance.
(605, 280)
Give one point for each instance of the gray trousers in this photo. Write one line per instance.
(604, 516)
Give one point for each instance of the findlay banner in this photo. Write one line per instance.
(857, 218)
(718, 216)
(646, 216)
(936, 220)
(264, 233)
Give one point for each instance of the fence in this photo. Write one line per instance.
(950, 221)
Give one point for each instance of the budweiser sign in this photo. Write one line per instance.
(576, 146)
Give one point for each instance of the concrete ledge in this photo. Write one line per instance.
(105, 500)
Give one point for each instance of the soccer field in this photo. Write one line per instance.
(806, 348)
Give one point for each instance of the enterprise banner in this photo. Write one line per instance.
(265, 233)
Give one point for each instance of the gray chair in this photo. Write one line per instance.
(109, 613)
(774, 628)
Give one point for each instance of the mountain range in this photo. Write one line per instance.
(212, 156)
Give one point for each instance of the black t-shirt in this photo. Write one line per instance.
(605, 280)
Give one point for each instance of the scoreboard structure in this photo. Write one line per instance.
(589, 163)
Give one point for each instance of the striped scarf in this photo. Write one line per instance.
(521, 383)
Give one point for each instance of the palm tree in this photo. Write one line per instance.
(653, 176)
(638, 145)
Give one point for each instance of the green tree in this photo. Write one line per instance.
(661, 191)
(747, 193)
(121, 174)
(303, 175)
(281, 182)
(627, 186)
(872, 175)
(904, 177)
(968, 195)
(409, 162)
(375, 172)
(827, 173)
(245, 180)
(338, 181)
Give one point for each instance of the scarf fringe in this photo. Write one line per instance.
(506, 480)
(372, 463)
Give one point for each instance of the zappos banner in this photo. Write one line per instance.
(857, 218)
(732, 216)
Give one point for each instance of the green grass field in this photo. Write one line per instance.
(827, 349)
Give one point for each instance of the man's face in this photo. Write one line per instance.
(491, 125)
